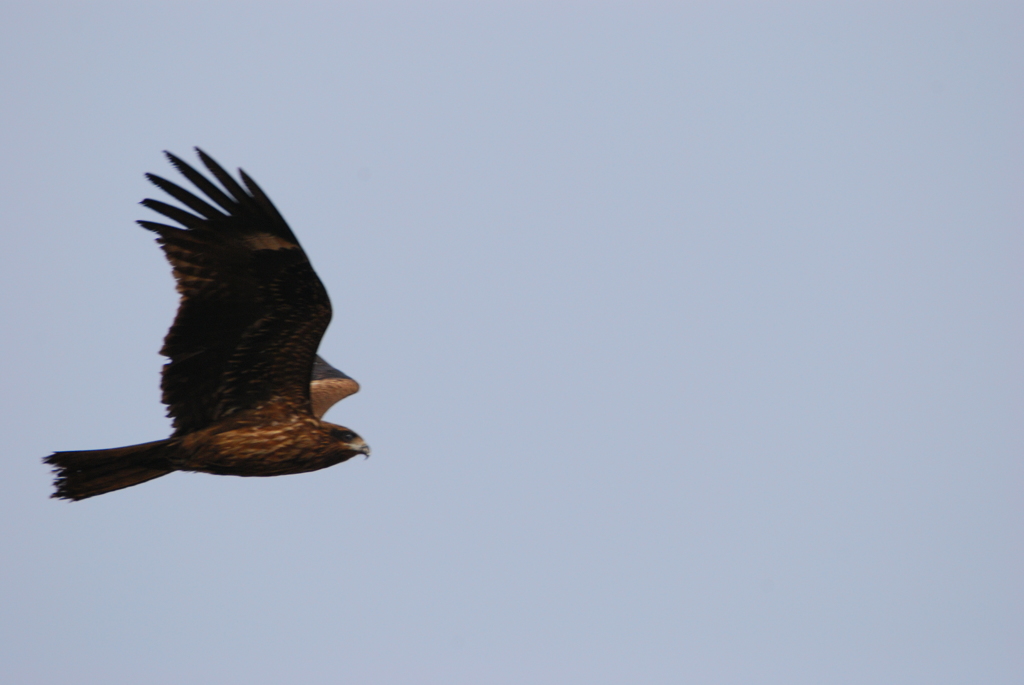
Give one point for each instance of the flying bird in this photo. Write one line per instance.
(244, 385)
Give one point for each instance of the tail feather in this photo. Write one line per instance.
(88, 473)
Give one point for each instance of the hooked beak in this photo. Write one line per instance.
(359, 445)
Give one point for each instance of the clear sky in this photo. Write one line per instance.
(690, 341)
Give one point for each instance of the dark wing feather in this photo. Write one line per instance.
(252, 309)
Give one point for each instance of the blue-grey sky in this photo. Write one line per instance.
(690, 341)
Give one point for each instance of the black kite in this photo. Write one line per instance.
(244, 384)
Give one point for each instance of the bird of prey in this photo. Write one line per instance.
(244, 385)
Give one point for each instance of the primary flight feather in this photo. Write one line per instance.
(244, 385)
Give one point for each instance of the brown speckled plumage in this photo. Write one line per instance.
(244, 386)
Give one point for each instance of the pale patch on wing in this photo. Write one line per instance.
(325, 393)
(265, 241)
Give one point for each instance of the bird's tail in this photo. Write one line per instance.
(94, 472)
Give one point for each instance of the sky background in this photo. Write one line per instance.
(689, 335)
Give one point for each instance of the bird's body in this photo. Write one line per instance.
(272, 440)
(244, 384)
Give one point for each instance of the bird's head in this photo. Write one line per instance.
(347, 441)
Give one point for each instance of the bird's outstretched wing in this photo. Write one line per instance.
(252, 309)
(329, 386)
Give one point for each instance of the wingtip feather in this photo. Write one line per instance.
(230, 184)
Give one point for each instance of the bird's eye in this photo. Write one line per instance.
(344, 435)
